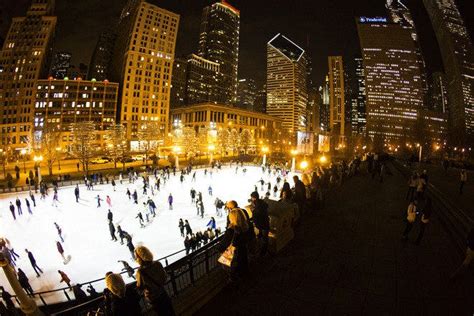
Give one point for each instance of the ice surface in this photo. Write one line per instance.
(86, 232)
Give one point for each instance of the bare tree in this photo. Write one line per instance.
(234, 140)
(47, 143)
(84, 137)
(246, 139)
(4, 155)
(223, 138)
(189, 142)
(149, 137)
(116, 145)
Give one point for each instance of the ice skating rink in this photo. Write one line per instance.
(86, 232)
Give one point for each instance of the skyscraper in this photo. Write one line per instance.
(438, 92)
(324, 109)
(142, 64)
(25, 58)
(458, 59)
(337, 117)
(178, 82)
(219, 42)
(286, 84)
(260, 104)
(358, 114)
(100, 61)
(392, 78)
(60, 65)
(246, 94)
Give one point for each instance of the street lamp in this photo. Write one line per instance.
(323, 159)
(176, 151)
(304, 165)
(211, 149)
(23, 154)
(38, 160)
(264, 151)
(58, 151)
(294, 152)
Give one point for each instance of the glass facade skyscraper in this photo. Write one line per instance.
(219, 43)
(100, 62)
(337, 96)
(458, 59)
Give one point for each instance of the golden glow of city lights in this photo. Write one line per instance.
(38, 158)
(294, 152)
(23, 151)
(176, 149)
(323, 159)
(264, 149)
(211, 147)
(304, 164)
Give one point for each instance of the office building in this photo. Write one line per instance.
(286, 84)
(392, 78)
(62, 102)
(24, 58)
(457, 53)
(178, 82)
(246, 94)
(142, 64)
(358, 114)
(438, 93)
(324, 108)
(99, 67)
(60, 65)
(337, 98)
(260, 104)
(219, 43)
(203, 81)
(77, 71)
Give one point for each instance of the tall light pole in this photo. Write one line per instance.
(38, 160)
(294, 152)
(264, 151)
(211, 148)
(176, 151)
(27, 305)
(58, 151)
(23, 154)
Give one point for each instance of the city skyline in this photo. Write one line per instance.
(79, 35)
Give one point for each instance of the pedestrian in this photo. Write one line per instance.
(76, 193)
(128, 268)
(425, 219)
(130, 245)
(18, 206)
(210, 190)
(181, 227)
(109, 201)
(59, 229)
(120, 300)
(189, 231)
(32, 259)
(237, 236)
(121, 234)
(151, 277)
(7, 298)
(170, 201)
(411, 217)
(32, 197)
(112, 230)
(61, 250)
(261, 220)
(12, 210)
(24, 282)
(212, 223)
(65, 279)
(463, 180)
(113, 184)
(55, 199)
(98, 200)
(135, 197)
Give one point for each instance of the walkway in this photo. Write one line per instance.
(348, 259)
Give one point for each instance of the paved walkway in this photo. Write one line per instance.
(348, 259)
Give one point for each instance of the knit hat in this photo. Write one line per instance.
(254, 194)
(143, 253)
(115, 284)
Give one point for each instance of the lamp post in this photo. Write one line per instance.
(38, 160)
(304, 165)
(23, 154)
(264, 151)
(27, 305)
(294, 152)
(58, 152)
(176, 151)
(211, 149)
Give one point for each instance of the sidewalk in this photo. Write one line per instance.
(348, 259)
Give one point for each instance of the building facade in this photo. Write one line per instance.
(438, 93)
(457, 53)
(260, 104)
(99, 67)
(24, 58)
(246, 94)
(324, 108)
(392, 79)
(358, 111)
(62, 102)
(219, 43)
(142, 64)
(178, 82)
(60, 65)
(202, 81)
(287, 96)
(337, 98)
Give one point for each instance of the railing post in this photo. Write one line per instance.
(206, 256)
(166, 261)
(190, 267)
(67, 296)
(42, 300)
(173, 282)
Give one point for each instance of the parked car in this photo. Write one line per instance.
(127, 159)
(99, 161)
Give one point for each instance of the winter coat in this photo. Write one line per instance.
(127, 305)
(64, 278)
(60, 247)
(152, 277)
(260, 215)
(411, 213)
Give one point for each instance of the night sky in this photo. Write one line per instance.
(327, 26)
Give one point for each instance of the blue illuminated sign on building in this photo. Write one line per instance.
(378, 19)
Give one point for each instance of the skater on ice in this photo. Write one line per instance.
(34, 265)
(181, 227)
(76, 192)
(28, 206)
(189, 231)
(110, 215)
(98, 200)
(24, 282)
(112, 231)
(128, 268)
(170, 201)
(109, 201)
(65, 278)
(59, 231)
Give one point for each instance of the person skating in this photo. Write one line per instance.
(110, 216)
(210, 190)
(212, 223)
(135, 197)
(76, 193)
(24, 282)
(28, 206)
(151, 276)
(59, 229)
(32, 197)
(12, 210)
(32, 259)
(140, 219)
(18, 206)
(128, 268)
(112, 230)
(129, 194)
(130, 245)
(113, 184)
(193, 195)
(151, 207)
(219, 205)
(61, 250)
(55, 199)
(181, 227)
(98, 200)
(201, 208)
(189, 231)
(108, 201)
(65, 278)
(121, 234)
(170, 201)
(261, 220)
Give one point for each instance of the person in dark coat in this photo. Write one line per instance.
(60, 250)
(128, 268)
(33, 263)
(79, 293)
(300, 193)
(261, 220)
(187, 245)
(112, 230)
(110, 215)
(120, 299)
(28, 206)
(181, 227)
(76, 193)
(18, 206)
(151, 278)
(12, 209)
(7, 298)
(189, 231)
(24, 282)
(121, 234)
